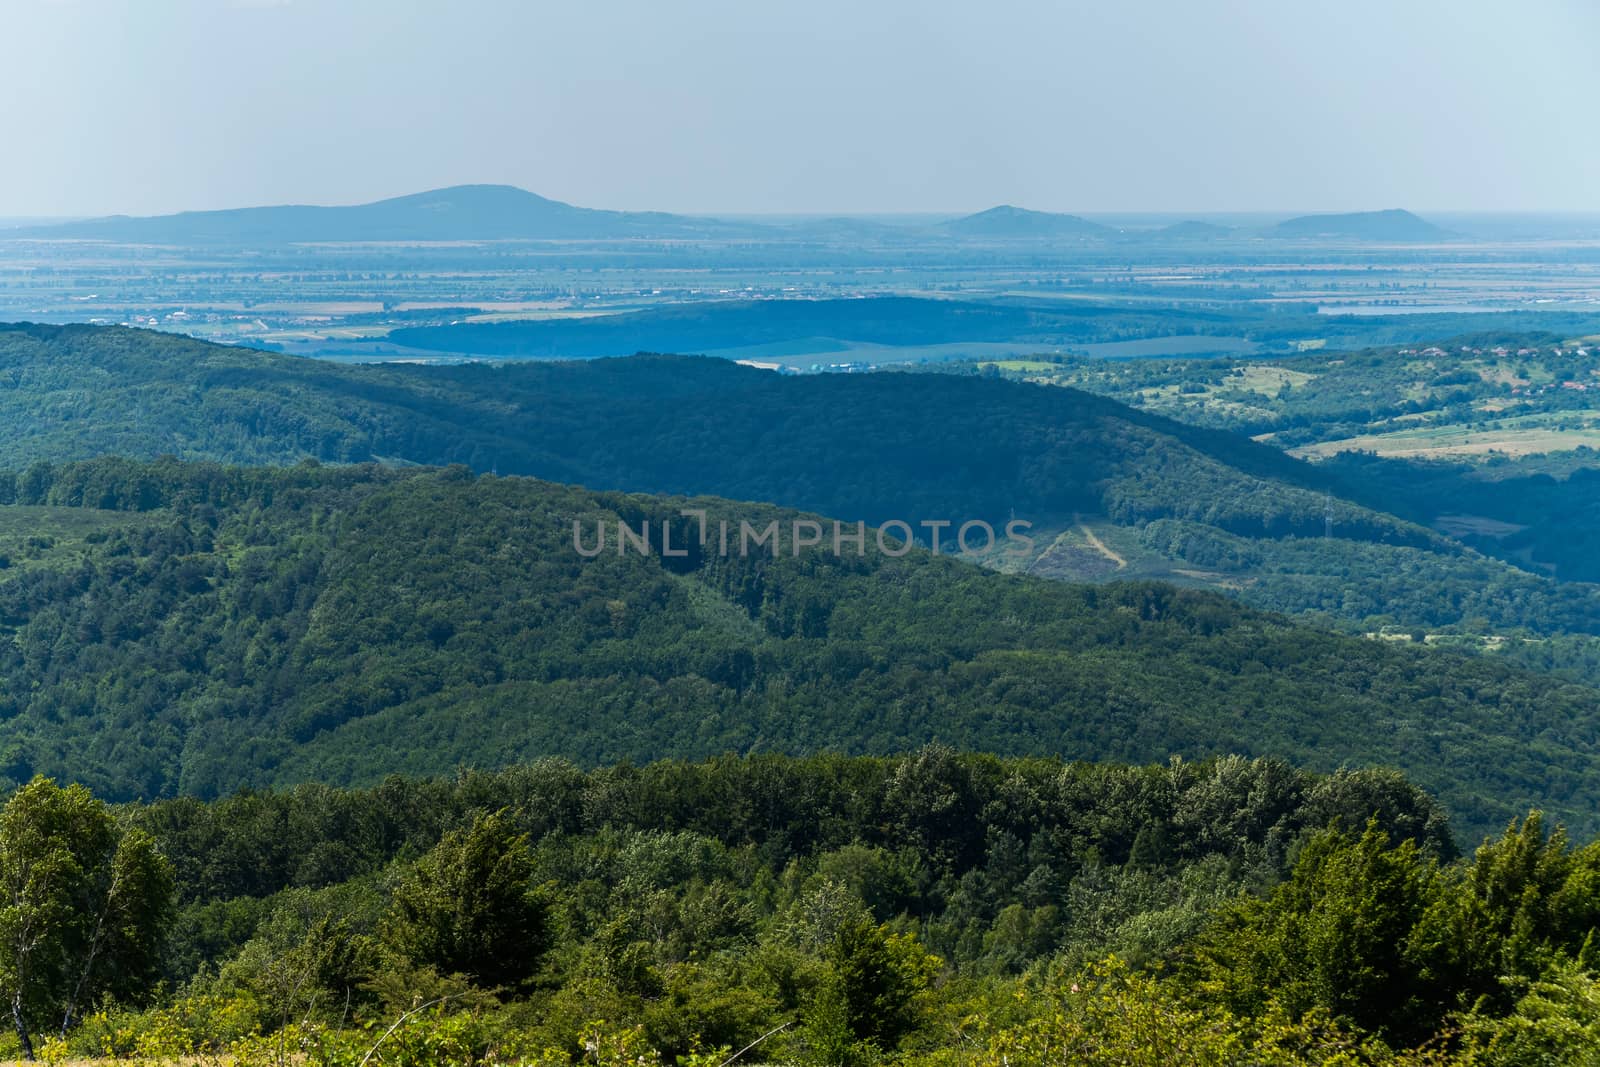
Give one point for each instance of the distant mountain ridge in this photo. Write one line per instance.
(458, 213)
(505, 212)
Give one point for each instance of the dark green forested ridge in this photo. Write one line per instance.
(1049, 323)
(886, 320)
(866, 447)
(191, 628)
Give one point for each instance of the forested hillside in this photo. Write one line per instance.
(189, 628)
(1197, 506)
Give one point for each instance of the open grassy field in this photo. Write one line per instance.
(1475, 525)
(1266, 379)
(1094, 549)
(47, 536)
(1528, 436)
(1026, 365)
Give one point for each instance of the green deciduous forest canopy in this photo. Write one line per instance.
(928, 909)
(343, 755)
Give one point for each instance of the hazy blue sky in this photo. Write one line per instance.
(147, 106)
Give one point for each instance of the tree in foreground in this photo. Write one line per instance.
(469, 907)
(84, 903)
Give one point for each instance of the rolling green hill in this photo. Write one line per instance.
(1508, 393)
(189, 628)
(1493, 438)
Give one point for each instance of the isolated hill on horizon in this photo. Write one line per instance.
(458, 213)
(1394, 224)
(1006, 221)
